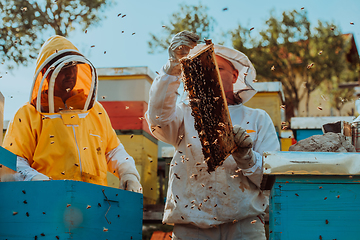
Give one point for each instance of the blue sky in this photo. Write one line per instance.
(144, 17)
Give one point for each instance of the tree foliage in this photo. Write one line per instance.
(23, 23)
(191, 18)
(300, 57)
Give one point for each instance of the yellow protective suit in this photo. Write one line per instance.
(72, 139)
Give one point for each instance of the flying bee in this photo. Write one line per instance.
(193, 176)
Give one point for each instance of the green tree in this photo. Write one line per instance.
(338, 65)
(300, 57)
(191, 18)
(23, 22)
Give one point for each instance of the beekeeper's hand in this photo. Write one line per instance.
(40, 177)
(131, 183)
(179, 47)
(243, 155)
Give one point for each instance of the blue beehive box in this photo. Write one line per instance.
(305, 127)
(314, 195)
(7, 158)
(65, 209)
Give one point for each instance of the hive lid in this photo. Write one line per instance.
(311, 163)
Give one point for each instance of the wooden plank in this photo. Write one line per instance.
(315, 207)
(68, 210)
(209, 107)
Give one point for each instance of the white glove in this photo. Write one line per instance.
(131, 183)
(40, 177)
(243, 155)
(179, 47)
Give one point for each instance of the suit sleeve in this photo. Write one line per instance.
(22, 133)
(165, 118)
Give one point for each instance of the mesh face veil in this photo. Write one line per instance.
(52, 59)
(243, 88)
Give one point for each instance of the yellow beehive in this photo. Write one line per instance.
(144, 151)
(269, 98)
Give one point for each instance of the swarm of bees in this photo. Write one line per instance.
(208, 106)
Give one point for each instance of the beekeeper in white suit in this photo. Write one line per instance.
(226, 203)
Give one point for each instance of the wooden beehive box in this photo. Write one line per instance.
(209, 107)
(7, 162)
(65, 209)
(315, 207)
(315, 195)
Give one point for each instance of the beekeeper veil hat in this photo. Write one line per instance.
(243, 88)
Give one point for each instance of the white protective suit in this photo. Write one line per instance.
(194, 196)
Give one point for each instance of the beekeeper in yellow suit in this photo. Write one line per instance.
(63, 132)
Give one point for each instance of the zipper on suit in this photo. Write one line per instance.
(77, 149)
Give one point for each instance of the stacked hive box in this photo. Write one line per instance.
(66, 209)
(314, 195)
(124, 93)
(305, 127)
(269, 97)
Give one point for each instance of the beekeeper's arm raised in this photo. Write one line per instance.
(164, 117)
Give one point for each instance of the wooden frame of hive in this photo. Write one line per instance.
(209, 107)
